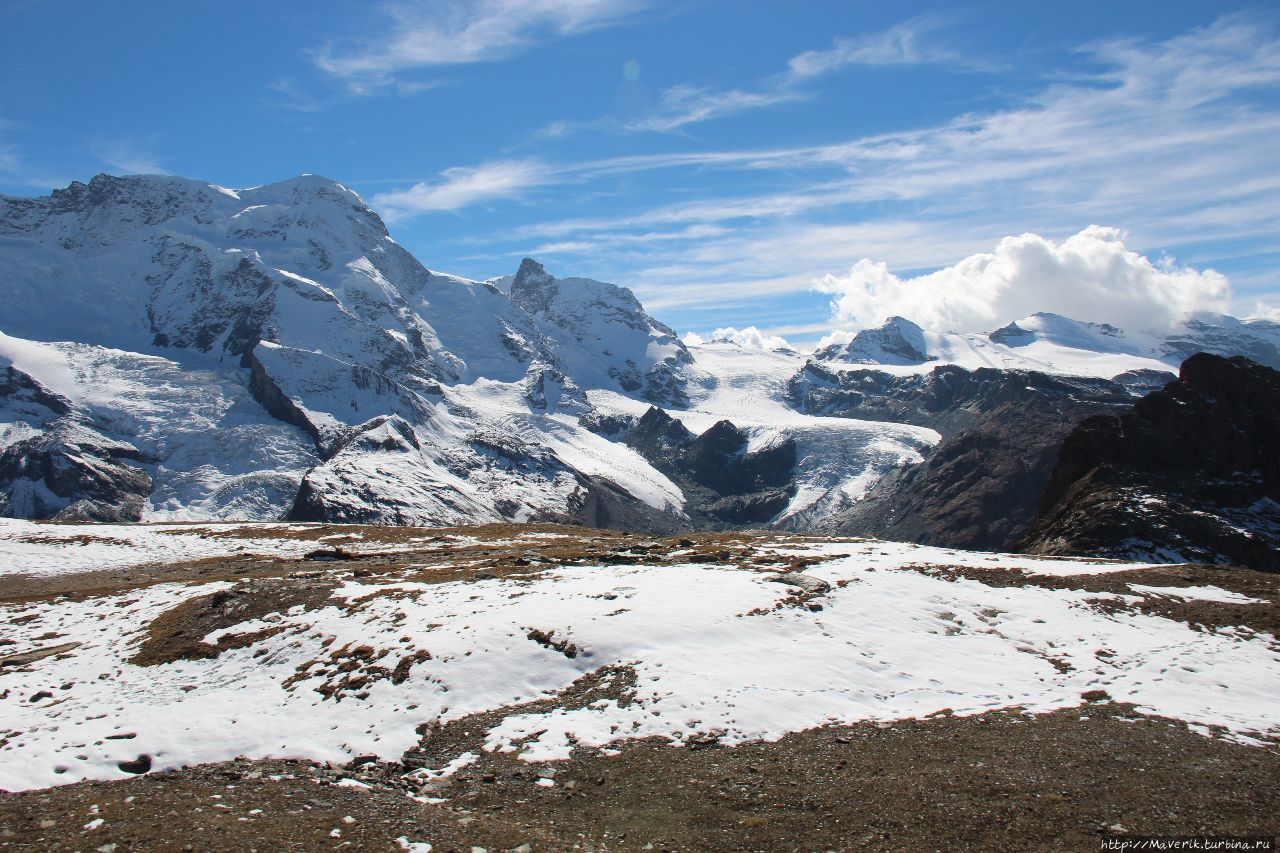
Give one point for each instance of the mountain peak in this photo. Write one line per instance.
(531, 275)
(896, 341)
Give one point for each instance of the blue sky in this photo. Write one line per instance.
(733, 162)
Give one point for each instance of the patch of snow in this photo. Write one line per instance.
(1197, 593)
(715, 649)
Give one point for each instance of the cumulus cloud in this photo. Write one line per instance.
(1090, 276)
(748, 337)
(1265, 311)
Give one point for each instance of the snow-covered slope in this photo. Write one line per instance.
(209, 449)
(708, 645)
(837, 459)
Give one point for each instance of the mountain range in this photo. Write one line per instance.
(175, 350)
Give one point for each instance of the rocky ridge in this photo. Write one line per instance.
(1191, 473)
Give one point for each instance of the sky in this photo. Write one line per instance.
(798, 168)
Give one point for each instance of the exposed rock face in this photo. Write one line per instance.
(295, 292)
(723, 483)
(1192, 473)
(55, 466)
(1001, 430)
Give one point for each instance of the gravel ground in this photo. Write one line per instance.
(1001, 781)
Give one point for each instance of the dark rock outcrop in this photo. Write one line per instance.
(1191, 473)
(724, 484)
(1000, 429)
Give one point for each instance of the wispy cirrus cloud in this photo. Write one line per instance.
(899, 45)
(436, 33)
(903, 44)
(1172, 140)
(461, 187)
(129, 157)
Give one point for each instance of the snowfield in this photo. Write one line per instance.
(717, 645)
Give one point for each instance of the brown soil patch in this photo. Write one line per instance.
(436, 555)
(1002, 781)
(178, 633)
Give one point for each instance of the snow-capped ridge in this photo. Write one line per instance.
(897, 341)
(1050, 343)
(602, 334)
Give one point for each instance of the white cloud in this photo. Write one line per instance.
(749, 337)
(1175, 140)
(684, 104)
(899, 45)
(129, 158)
(1090, 276)
(1265, 311)
(688, 104)
(464, 186)
(450, 32)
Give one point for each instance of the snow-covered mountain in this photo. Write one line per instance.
(1053, 344)
(176, 349)
(172, 349)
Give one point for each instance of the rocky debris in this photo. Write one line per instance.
(978, 487)
(137, 766)
(947, 782)
(328, 555)
(808, 583)
(547, 639)
(1191, 473)
(26, 658)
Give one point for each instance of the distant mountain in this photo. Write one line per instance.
(898, 341)
(603, 335)
(176, 349)
(1000, 433)
(1050, 343)
(172, 349)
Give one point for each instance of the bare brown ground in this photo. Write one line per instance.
(1000, 781)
